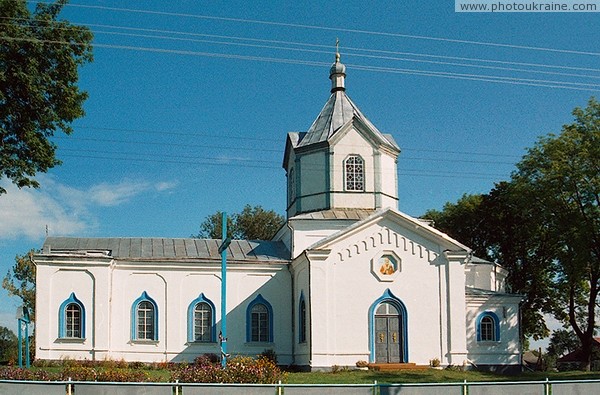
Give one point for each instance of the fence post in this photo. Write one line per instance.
(465, 388)
(177, 387)
(547, 387)
(375, 392)
(279, 388)
(69, 388)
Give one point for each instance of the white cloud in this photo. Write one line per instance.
(64, 209)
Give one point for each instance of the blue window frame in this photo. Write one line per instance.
(144, 319)
(201, 320)
(302, 319)
(259, 321)
(71, 319)
(488, 327)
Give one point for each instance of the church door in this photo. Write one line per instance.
(388, 334)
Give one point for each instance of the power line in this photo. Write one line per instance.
(224, 162)
(245, 136)
(336, 29)
(329, 48)
(380, 57)
(471, 77)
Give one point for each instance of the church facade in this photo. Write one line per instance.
(348, 278)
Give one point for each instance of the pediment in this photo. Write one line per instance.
(389, 230)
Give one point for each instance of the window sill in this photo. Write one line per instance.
(259, 344)
(210, 343)
(70, 340)
(146, 342)
(488, 342)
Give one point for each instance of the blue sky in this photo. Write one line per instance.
(190, 103)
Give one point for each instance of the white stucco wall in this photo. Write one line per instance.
(505, 351)
(108, 292)
(344, 287)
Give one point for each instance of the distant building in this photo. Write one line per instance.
(347, 278)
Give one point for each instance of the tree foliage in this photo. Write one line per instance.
(544, 227)
(500, 226)
(20, 281)
(563, 342)
(562, 173)
(8, 345)
(252, 223)
(39, 60)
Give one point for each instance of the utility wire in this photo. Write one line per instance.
(326, 28)
(225, 162)
(380, 57)
(328, 48)
(472, 77)
(245, 136)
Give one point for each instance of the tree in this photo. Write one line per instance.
(544, 227)
(562, 175)
(8, 345)
(563, 342)
(502, 227)
(252, 223)
(20, 281)
(39, 58)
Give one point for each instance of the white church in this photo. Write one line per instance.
(348, 277)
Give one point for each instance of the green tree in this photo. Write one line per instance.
(8, 345)
(39, 60)
(544, 227)
(20, 281)
(562, 176)
(563, 342)
(502, 227)
(252, 223)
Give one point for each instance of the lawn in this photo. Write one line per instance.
(428, 376)
(345, 376)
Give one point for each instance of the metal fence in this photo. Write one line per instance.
(547, 387)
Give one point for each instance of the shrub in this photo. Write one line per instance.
(78, 373)
(207, 359)
(269, 354)
(14, 373)
(238, 370)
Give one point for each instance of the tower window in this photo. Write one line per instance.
(355, 173)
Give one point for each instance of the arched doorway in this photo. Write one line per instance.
(388, 330)
(388, 334)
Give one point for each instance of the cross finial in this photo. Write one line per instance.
(337, 49)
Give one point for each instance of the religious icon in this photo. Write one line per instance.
(386, 267)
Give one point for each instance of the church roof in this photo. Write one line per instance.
(338, 111)
(137, 248)
(338, 213)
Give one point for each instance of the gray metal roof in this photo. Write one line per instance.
(338, 213)
(169, 249)
(337, 112)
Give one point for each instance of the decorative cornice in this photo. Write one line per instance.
(387, 238)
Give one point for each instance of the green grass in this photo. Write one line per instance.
(402, 376)
(428, 376)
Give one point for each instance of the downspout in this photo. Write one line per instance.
(287, 223)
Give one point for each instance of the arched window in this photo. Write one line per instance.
(302, 320)
(201, 320)
(354, 173)
(71, 319)
(144, 319)
(488, 327)
(259, 321)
